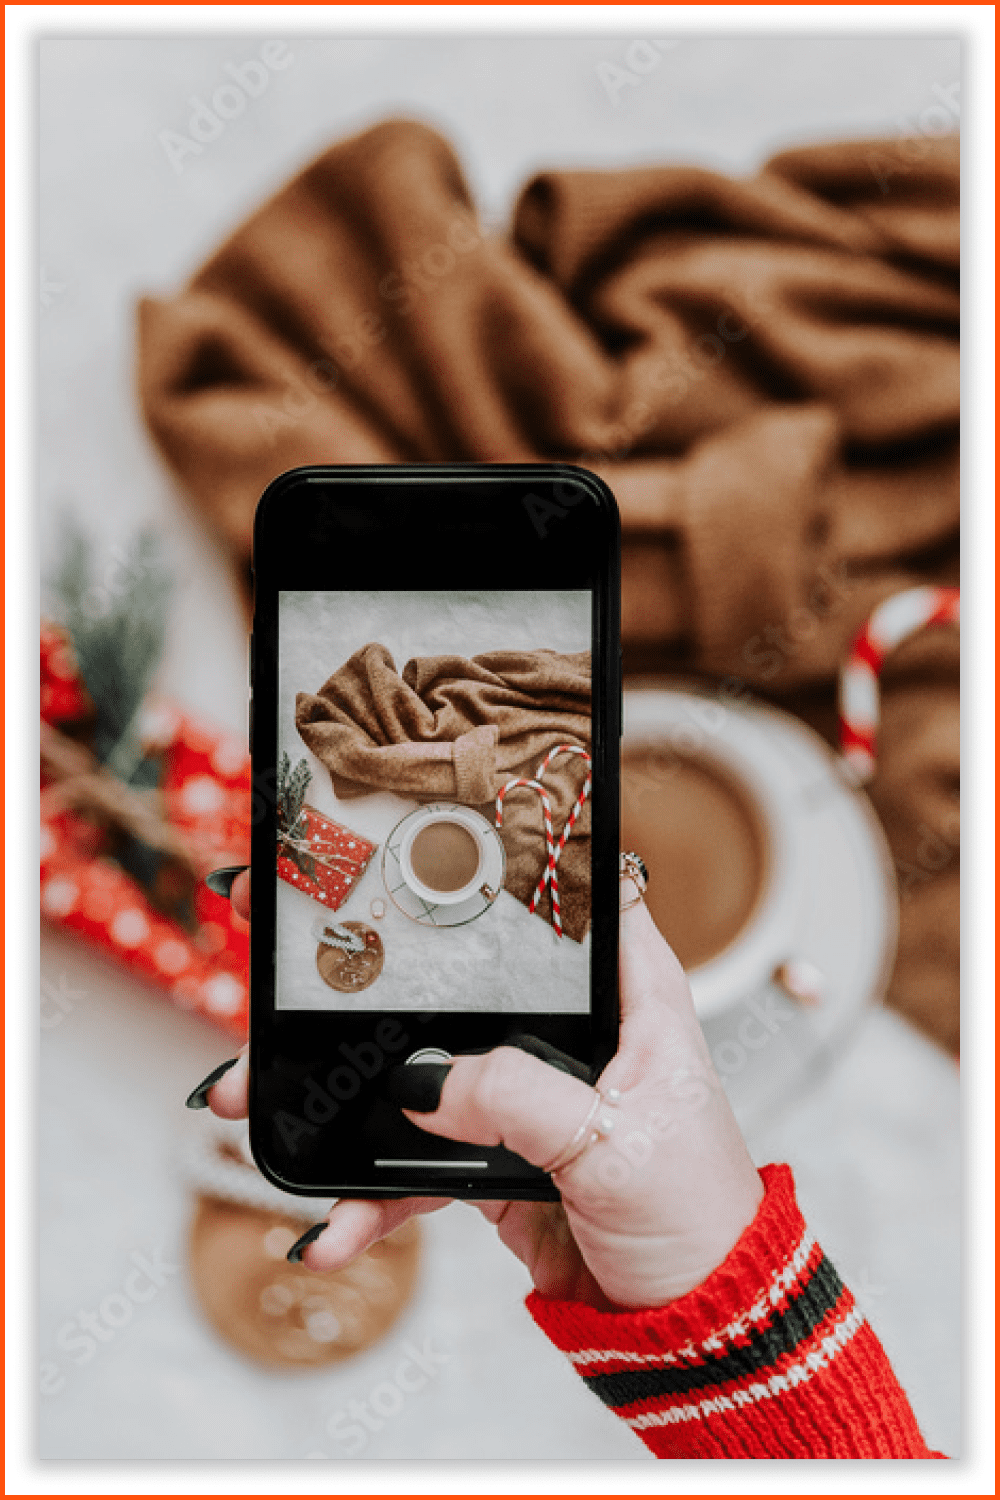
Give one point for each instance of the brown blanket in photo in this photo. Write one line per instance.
(764, 369)
(456, 730)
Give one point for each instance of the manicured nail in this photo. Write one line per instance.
(198, 1098)
(295, 1253)
(417, 1085)
(221, 881)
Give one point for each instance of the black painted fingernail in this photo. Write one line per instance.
(221, 881)
(549, 1054)
(295, 1253)
(417, 1085)
(198, 1098)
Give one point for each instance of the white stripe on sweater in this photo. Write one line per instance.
(762, 1390)
(782, 1279)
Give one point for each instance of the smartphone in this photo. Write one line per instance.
(435, 724)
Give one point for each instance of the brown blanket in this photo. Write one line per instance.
(451, 729)
(765, 370)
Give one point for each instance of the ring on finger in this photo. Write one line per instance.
(632, 866)
(597, 1124)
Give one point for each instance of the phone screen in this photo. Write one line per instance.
(436, 712)
(435, 774)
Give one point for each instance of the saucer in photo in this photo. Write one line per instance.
(441, 914)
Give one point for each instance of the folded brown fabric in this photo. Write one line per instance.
(765, 371)
(451, 729)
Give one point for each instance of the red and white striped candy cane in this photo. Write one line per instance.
(549, 840)
(550, 872)
(886, 628)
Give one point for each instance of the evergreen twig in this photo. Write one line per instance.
(117, 627)
(118, 630)
(292, 819)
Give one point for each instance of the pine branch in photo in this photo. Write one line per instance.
(292, 786)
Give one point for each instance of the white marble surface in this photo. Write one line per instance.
(876, 1145)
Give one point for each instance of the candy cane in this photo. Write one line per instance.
(550, 872)
(886, 628)
(549, 841)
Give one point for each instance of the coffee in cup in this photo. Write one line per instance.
(442, 856)
(704, 840)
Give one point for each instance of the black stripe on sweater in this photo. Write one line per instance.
(816, 1297)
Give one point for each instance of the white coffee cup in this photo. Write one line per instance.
(442, 857)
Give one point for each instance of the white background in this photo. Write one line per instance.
(876, 1149)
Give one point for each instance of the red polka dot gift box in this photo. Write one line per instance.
(171, 931)
(323, 859)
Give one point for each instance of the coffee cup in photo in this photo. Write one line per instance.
(442, 857)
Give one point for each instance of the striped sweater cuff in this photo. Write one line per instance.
(768, 1358)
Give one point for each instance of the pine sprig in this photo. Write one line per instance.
(117, 626)
(292, 820)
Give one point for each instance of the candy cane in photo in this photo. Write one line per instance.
(550, 872)
(519, 781)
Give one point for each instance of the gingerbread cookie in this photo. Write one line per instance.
(350, 961)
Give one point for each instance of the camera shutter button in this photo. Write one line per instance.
(429, 1055)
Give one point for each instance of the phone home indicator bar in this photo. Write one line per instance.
(447, 1166)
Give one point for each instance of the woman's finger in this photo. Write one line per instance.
(356, 1223)
(505, 1098)
(650, 974)
(226, 1089)
(659, 1028)
(240, 895)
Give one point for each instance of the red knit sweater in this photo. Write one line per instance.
(768, 1358)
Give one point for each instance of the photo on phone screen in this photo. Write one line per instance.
(434, 801)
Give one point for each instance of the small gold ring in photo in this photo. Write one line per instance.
(632, 867)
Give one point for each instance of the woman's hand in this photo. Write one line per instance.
(645, 1214)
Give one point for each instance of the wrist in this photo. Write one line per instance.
(646, 1264)
(740, 1279)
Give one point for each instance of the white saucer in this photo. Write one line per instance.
(431, 914)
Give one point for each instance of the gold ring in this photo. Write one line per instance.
(594, 1128)
(632, 866)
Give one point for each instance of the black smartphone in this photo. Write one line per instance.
(435, 723)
